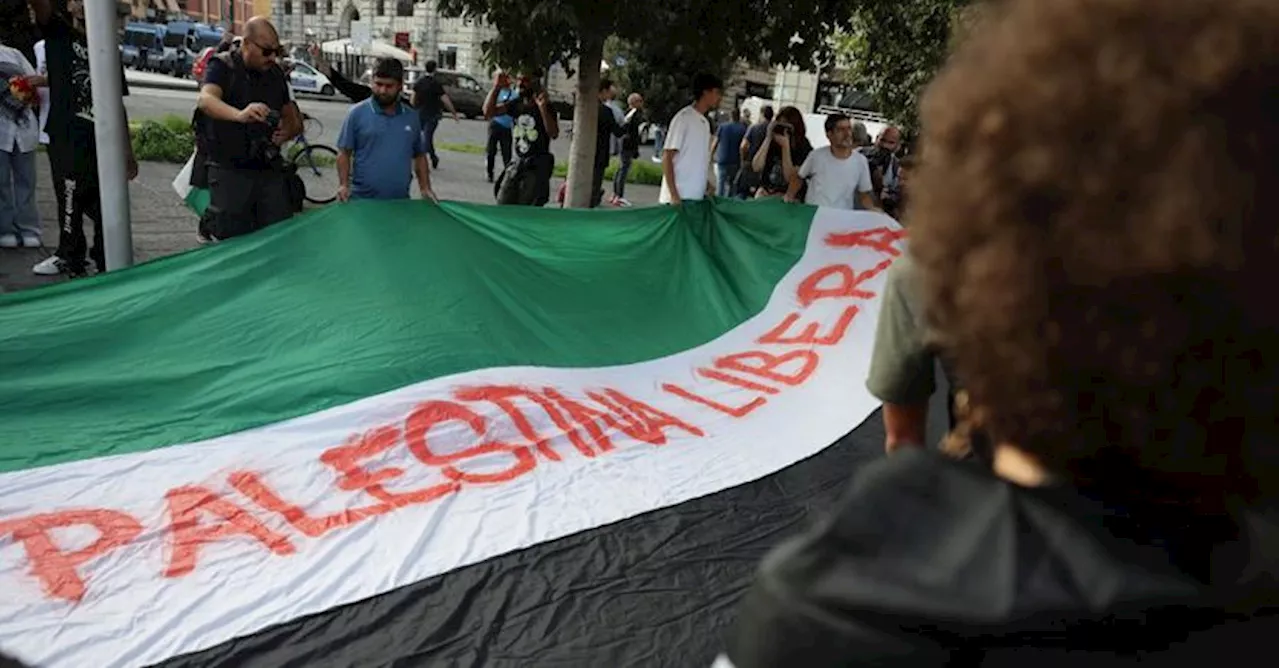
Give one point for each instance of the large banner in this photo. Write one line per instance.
(370, 395)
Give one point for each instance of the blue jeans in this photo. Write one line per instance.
(620, 178)
(18, 215)
(726, 176)
(429, 126)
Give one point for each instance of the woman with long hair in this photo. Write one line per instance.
(780, 155)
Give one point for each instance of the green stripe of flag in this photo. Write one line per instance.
(350, 301)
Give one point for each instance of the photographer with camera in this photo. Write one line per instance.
(785, 148)
(883, 160)
(248, 115)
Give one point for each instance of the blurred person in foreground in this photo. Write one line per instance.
(1113, 317)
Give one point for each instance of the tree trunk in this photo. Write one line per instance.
(586, 110)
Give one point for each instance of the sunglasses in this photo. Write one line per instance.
(270, 51)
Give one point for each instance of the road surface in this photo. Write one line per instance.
(156, 103)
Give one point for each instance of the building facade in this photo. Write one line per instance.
(417, 27)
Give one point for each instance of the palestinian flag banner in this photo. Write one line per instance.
(398, 433)
(197, 199)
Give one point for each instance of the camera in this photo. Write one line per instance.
(260, 144)
(782, 129)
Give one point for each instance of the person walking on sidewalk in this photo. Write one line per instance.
(19, 135)
(500, 129)
(428, 98)
(73, 147)
(380, 145)
(630, 148)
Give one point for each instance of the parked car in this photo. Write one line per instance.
(466, 92)
(306, 79)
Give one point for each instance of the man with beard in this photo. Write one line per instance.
(381, 143)
(73, 147)
(527, 180)
(838, 176)
(883, 159)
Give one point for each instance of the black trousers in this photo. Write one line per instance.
(597, 180)
(499, 138)
(245, 200)
(527, 181)
(75, 187)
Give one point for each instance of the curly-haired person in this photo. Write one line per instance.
(1104, 287)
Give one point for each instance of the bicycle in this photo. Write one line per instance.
(315, 164)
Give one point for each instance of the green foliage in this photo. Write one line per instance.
(540, 32)
(169, 139)
(895, 47)
(643, 172)
(476, 149)
(536, 33)
(318, 158)
(662, 73)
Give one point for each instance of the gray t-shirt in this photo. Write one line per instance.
(834, 181)
(902, 364)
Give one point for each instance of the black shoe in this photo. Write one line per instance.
(491, 178)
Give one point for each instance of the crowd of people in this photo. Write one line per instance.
(245, 112)
(1092, 243)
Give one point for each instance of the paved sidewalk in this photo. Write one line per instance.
(162, 225)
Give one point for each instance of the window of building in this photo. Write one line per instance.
(447, 58)
(381, 8)
(288, 7)
(328, 7)
(309, 7)
(404, 7)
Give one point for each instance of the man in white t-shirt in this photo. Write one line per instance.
(686, 154)
(837, 175)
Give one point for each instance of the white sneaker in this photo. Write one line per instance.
(31, 241)
(8, 241)
(50, 266)
(622, 201)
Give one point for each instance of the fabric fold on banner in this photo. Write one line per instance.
(370, 395)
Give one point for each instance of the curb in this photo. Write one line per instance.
(183, 86)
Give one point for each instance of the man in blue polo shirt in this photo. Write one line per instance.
(380, 146)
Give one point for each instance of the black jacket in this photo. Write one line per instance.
(354, 91)
(930, 562)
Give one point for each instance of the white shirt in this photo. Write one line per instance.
(689, 135)
(26, 135)
(833, 181)
(42, 67)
